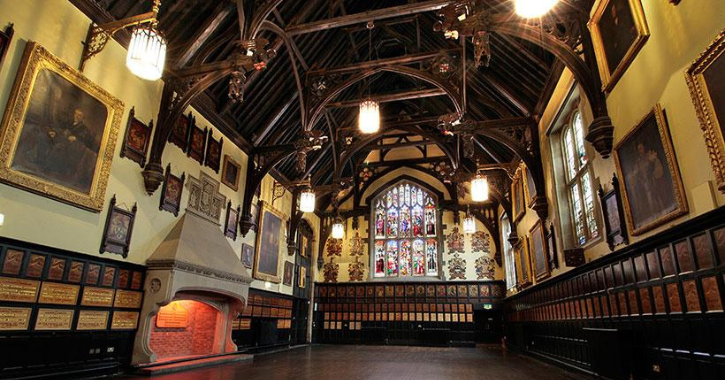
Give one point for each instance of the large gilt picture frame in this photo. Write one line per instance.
(517, 195)
(647, 167)
(58, 132)
(706, 80)
(268, 254)
(539, 254)
(619, 30)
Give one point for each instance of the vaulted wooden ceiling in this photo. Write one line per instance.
(327, 42)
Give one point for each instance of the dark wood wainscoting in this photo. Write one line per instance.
(435, 314)
(266, 322)
(653, 309)
(64, 313)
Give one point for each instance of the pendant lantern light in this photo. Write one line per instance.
(469, 223)
(307, 200)
(146, 52)
(369, 118)
(534, 8)
(479, 188)
(338, 229)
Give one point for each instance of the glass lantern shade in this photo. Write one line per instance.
(369, 117)
(479, 189)
(469, 224)
(534, 8)
(338, 230)
(307, 200)
(146, 53)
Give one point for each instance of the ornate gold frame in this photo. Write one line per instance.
(704, 108)
(35, 59)
(257, 252)
(610, 76)
(538, 228)
(672, 166)
(524, 263)
(518, 187)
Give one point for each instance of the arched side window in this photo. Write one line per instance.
(405, 231)
(508, 250)
(579, 181)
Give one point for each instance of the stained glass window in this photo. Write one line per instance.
(405, 226)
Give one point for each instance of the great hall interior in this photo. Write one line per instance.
(362, 189)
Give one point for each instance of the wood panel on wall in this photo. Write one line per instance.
(665, 293)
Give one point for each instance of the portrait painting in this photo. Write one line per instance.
(614, 223)
(706, 81)
(180, 133)
(232, 221)
(171, 192)
(137, 139)
(247, 255)
(551, 245)
(5, 38)
(517, 194)
(269, 244)
(230, 173)
(58, 132)
(213, 156)
(645, 159)
(288, 272)
(619, 30)
(302, 280)
(117, 232)
(530, 187)
(197, 143)
(538, 250)
(524, 263)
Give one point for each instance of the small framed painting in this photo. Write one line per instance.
(230, 173)
(247, 255)
(551, 244)
(706, 80)
(213, 155)
(619, 30)
(646, 163)
(197, 143)
(288, 271)
(171, 192)
(180, 134)
(524, 263)
(613, 216)
(302, 281)
(117, 232)
(137, 139)
(5, 38)
(539, 251)
(530, 187)
(232, 221)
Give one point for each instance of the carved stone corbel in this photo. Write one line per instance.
(601, 135)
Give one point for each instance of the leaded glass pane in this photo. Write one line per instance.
(578, 214)
(392, 223)
(404, 258)
(392, 251)
(430, 218)
(417, 221)
(418, 257)
(379, 258)
(405, 221)
(431, 256)
(569, 152)
(379, 220)
(589, 205)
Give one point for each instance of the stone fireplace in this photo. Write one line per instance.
(196, 286)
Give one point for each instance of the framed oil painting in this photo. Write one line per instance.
(302, 280)
(619, 30)
(538, 249)
(706, 80)
(269, 244)
(171, 192)
(232, 221)
(197, 143)
(247, 255)
(288, 272)
(5, 38)
(213, 157)
(180, 134)
(551, 245)
(59, 132)
(137, 139)
(517, 195)
(117, 232)
(653, 192)
(230, 173)
(524, 263)
(613, 216)
(530, 187)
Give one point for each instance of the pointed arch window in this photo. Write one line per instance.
(405, 225)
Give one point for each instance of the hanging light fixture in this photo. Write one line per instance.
(479, 188)
(307, 200)
(534, 8)
(469, 223)
(369, 118)
(146, 52)
(338, 229)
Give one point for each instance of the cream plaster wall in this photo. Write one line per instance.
(61, 28)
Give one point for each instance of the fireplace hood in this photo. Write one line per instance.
(195, 261)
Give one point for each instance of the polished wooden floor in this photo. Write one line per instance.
(379, 363)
